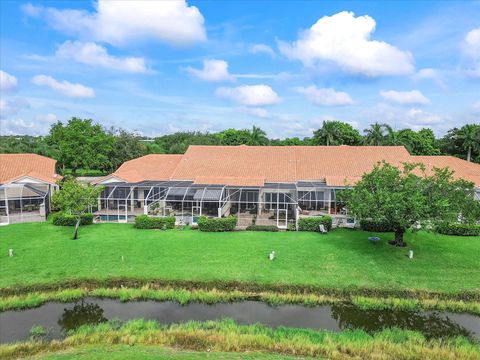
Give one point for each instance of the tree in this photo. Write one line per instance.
(336, 133)
(126, 146)
(234, 137)
(75, 198)
(408, 196)
(469, 137)
(81, 144)
(375, 134)
(258, 137)
(177, 143)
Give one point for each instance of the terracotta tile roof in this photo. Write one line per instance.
(148, 167)
(462, 169)
(16, 166)
(229, 181)
(285, 163)
(256, 165)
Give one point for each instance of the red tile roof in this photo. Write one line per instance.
(16, 166)
(148, 167)
(255, 165)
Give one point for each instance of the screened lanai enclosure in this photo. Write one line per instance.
(24, 202)
(278, 204)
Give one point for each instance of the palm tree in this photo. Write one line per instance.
(375, 135)
(328, 134)
(469, 137)
(257, 137)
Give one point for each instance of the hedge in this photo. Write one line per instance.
(313, 223)
(62, 219)
(148, 222)
(375, 225)
(459, 229)
(271, 228)
(217, 224)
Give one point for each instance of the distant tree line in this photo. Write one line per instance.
(83, 147)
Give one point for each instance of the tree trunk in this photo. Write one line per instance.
(77, 225)
(398, 239)
(469, 154)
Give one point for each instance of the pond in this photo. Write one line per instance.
(61, 317)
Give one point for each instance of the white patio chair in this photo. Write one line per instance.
(322, 229)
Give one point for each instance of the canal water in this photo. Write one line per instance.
(61, 317)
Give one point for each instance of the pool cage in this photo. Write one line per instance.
(24, 202)
(278, 204)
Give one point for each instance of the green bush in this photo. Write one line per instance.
(148, 222)
(313, 223)
(375, 225)
(61, 219)
(217, 224)
(271, 228)
(459, 229)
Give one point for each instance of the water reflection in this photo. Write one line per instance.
(432, 324)
(82, 313)
(62, 318)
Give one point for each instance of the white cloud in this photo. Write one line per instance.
(213, 70)
(249, 95)
(413, 97)
(12, 107)
(49, 118)
(256, 111)
(476, 107)
(18, 126)
(430, 74)
(92, 54)
(65, 87)
(7, 82)
(325, 96)
(344, 40)
(262, 49)
(120, 22)
(471, 49)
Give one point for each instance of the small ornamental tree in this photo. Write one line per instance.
(408, 196)
(75, 198)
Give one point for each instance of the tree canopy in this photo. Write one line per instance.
(409, 196)
(336, 133)
(76, 198)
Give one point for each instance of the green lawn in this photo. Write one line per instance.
(341, 259)
(143, 352)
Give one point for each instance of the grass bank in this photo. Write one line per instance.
(343, 259)
(145, 352)
(212, 296)
(227, 336)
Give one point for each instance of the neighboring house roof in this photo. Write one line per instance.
(14, 167)
(256, 165)
(462, 169)
(148, 167)
(335, 164)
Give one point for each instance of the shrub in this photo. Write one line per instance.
(313, 223)
(148, 222)
(459, 229)
(62, 219)
(271, 228)
(217, 224)
(375, 225)
(291, 227)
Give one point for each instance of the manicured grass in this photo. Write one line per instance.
(227, 336)
(342, 259)
(141, 352)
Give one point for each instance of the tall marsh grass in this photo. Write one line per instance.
(227, 336)
(212, 296)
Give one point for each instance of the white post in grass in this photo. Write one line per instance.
(410, 254)
(10, 252)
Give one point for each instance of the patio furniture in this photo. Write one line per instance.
(322, 229)
(374, 239)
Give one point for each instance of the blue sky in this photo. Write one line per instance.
(163, 66)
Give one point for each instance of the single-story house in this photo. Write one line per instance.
(268, 185)
(27, 182)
